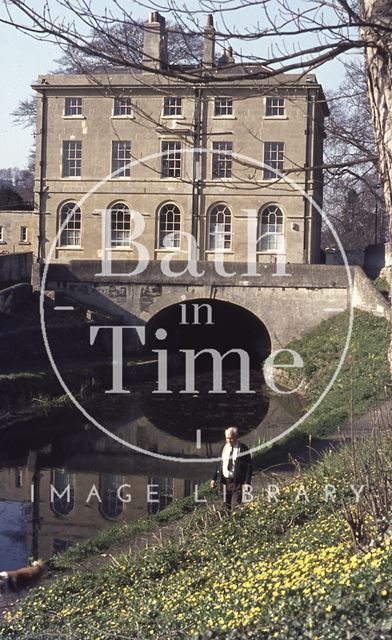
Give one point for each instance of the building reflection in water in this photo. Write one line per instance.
(59, 507)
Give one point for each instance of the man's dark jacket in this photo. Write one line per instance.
(242, 467)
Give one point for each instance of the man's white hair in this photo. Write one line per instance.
(230, 430)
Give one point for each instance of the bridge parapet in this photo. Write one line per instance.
(288, 305)
(238, 274)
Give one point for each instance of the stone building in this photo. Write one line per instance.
(201, 151)
(18, 231)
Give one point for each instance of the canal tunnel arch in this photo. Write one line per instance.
(209, 324)
(200, 324)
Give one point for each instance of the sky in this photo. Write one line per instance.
(25, 58)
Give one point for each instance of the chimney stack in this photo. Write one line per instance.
(226, 57)
(209, 42)
(155, 42)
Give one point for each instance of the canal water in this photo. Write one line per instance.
(64, 480)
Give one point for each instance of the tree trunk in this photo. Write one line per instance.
(378, 65)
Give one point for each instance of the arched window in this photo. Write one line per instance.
(62, 496)
(70, 235)
(169, 218)
(219, 228)
(112, 500)
(120, 220)
(270, 232)
(162, 492)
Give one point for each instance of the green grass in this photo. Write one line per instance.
(381, 284)
(282, 569)
(363, 382)
(364, 379)
(116, 536)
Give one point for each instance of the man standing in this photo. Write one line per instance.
(234, 469)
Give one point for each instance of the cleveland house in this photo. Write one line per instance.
(198, 150)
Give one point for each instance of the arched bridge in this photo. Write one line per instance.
(266, 308)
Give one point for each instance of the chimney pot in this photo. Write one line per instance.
(209, 42)
(155, 41)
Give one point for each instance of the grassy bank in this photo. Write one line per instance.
(279, 568)
(363, 382)
(364, 379)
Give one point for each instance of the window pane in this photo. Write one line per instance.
(169, 226)
(165, 492)
(171, 160)
(70, 235)
(73, 107)
(120, 225)
(274, 106)
(112, 501)
(219, 231)
(222, 159)
(271, 229)
(223, 106)
(72, 158)
(121, 157)
(172, 106)
(122, 106)
(273, 159)
(63, 483)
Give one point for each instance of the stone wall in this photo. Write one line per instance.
(15, 267)
(367, 298)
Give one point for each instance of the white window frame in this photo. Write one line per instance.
(223, 107)
(275, 107)
(72, 159)
(169, 226)
(73, 107)
(122, 107)
(171, 159)
(271, 229)
(121, 157)
(1, 233)
(120, 229)
(274, 153)
(172, 107)
(24, 235)
(71, 235)
(222, 160)
(220, 221)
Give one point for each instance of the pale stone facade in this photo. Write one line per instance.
(90, 126)
(18, 231)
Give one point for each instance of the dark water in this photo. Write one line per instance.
(62, 481)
